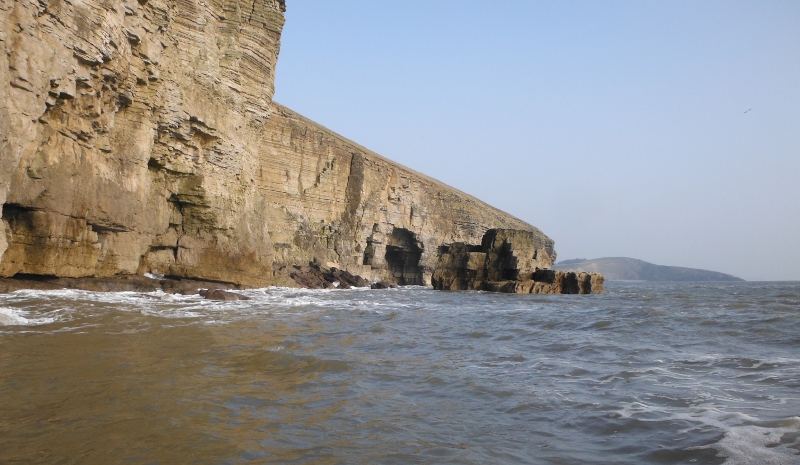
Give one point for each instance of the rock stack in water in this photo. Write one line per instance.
(508, 260)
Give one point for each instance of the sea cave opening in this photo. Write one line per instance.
(403, 253)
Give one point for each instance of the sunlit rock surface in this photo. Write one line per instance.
(512, 261)
(141, 137)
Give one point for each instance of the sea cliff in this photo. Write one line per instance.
(141, 137)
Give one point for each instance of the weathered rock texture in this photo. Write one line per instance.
(316, 277)
(140, 136)
(130, 137)
(508, 261)
(335, 202)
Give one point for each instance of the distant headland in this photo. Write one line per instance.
(631, 269)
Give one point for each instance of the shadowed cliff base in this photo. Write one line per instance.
(631, 269)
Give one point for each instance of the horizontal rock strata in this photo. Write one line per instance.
(341, 205)
(511, 261)
(140, 136)
(130, 137)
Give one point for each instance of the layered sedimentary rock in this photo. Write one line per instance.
(141, 136)
(130, 138)
(514, 261)
(335, 202)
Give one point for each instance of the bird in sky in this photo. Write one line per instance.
(748, 110)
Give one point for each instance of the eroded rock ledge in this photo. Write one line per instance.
(511, 261)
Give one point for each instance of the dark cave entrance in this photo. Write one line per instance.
(403, 253)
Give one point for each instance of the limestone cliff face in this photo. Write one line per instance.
(345, 206)
(141, 136)
(131, 134)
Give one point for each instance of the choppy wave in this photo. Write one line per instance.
(60, 305)
(16, 317)
(773, 443)
(648, 373)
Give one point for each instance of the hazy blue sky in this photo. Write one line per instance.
(620, 128)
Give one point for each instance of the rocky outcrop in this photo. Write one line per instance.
(314, 276)
(141, 137)
(219, 294)
(511, 261)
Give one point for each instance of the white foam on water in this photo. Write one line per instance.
(171, 313)
(36, 307)
(17, 317)
(52, 293)
(754, 444)
(747, 440)
(288, 298)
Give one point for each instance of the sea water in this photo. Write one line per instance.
(695, 373)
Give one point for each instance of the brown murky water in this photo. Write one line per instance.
(644, 374)
(153, 394)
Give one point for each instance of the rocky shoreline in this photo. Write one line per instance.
(509, 261)
(311, 276)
